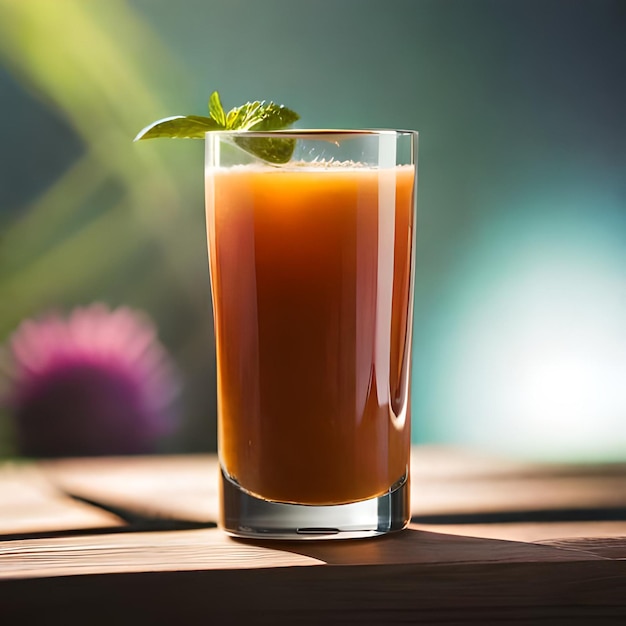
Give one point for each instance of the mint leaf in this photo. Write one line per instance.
(237, 117)
(179, 126)
(216, 110)
(253, 116)
(260, 116)
(273, 117)
(270, 149)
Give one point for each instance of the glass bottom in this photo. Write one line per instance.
(244, 515)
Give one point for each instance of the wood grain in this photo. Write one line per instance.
(211, 549)
(178, 488)
(410, 577)
(532, 531)
(446, 481)
(521, 572)
(540, 593)
(606, 547)
(29, 503)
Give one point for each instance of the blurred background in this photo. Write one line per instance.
(520, 319)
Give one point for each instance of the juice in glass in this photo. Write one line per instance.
(311, 281)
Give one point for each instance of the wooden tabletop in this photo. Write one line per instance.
(134, 540)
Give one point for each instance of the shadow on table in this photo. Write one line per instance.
(413, 546)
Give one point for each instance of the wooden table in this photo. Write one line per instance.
(133, 540)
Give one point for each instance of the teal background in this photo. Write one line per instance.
(520, 318)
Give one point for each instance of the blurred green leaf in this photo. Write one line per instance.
(120, 225)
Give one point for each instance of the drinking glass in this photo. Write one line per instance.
(312, 270)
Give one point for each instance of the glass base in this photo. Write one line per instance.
(244, 515)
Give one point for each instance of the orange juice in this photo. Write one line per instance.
(312, 295)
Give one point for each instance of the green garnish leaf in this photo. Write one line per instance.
(181, 126)
(216, 110)
(252, 116)
(260, 116)
(270, 149)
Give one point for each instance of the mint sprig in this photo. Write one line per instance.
(252, 116)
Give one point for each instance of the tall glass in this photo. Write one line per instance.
(312, 266)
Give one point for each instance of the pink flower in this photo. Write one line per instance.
(98, 382)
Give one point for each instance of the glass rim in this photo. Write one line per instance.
(296, 133)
